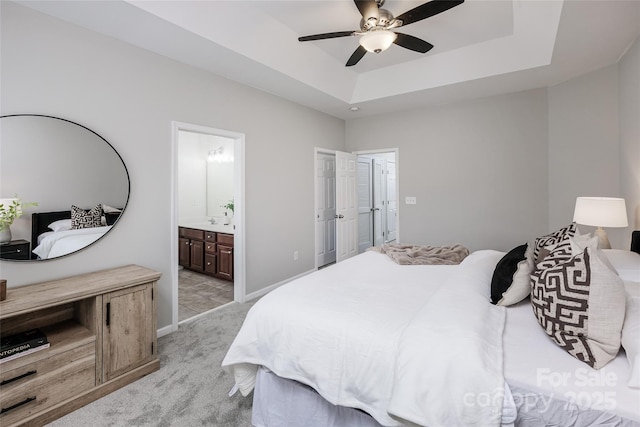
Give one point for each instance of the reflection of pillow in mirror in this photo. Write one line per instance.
(86, 219)
(110, 218)
(109, 209)
(61, 225)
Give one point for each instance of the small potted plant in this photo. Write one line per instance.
(10, 210)
(229, 207)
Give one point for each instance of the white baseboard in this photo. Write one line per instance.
(257, 294)
(166, 330)
(264, 291)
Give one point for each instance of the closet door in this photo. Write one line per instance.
(392, 203)
(346, 206)
(377, 209)
(326, 209)
(365, 203)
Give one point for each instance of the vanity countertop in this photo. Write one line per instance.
(207, 226)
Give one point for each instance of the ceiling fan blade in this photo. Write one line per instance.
(427, 10)
(368, 9)
(412, 43)
(326, 36)
(356, 56)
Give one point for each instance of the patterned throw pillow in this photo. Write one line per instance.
(554, 254)
(580, 304)
(551, 240)
(86, 219)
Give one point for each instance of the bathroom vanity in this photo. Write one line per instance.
(207, 248)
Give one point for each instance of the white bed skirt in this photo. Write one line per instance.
(280, 402)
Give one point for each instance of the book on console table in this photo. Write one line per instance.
(21, 344)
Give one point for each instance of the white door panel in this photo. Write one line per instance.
(365, 204)
(326, 205)
(346, 206)
(392, 202)
(378, 202)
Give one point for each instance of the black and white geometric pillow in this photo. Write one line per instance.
(580, 304)
(86, 219)
(556, 253)
(551, 240)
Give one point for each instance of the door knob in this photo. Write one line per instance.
(339, 216)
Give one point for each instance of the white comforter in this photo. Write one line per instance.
(68, 241)
(416, 343)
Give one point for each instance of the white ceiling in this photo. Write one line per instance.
(482, 47)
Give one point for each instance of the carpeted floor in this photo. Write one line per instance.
(190, 389)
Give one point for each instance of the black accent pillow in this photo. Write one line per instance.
(111, 218)
(504, 272)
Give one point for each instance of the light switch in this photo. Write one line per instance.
(410, 200)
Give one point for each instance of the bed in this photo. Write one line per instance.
(368, 342)
(51, 241)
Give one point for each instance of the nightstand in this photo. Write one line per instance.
(15, 249)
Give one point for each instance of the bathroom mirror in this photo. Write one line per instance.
(58, 164)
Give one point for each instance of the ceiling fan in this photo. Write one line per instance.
(376, 25)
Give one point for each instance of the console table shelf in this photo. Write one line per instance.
(102, 332)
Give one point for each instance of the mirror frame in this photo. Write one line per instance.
(126, 202)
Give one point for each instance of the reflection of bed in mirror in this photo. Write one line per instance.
(87, 170)
(52, 235)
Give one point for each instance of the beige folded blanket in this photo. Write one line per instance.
(423, 255)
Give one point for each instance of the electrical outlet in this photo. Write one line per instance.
(295, 255)
(410, 200)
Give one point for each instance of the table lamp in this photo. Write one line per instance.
(601, 212)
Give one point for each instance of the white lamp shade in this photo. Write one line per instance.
(377, 40)
(601, 212)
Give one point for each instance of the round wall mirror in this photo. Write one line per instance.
(71, 183)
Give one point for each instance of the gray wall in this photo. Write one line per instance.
(478, 169)
(594, 142)
(584, 155)
(629, 78)
(130, 96)
(498, 171)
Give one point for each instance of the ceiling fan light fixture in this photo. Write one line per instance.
(377, 40)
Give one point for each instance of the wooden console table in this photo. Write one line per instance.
(102, 331)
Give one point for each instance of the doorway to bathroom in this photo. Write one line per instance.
(208, 233)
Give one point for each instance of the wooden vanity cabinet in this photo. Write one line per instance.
(102, 331)
(191, 248)
(210, 253)
(206, 252)
(225, 256)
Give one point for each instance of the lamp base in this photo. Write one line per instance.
(603, 240)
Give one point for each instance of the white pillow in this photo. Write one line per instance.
(61, 225)
(109, 209)
(626, 263)
(631, 333)
(521, 286)
(581, 242)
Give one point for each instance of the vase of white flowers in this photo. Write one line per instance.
(10, 210)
